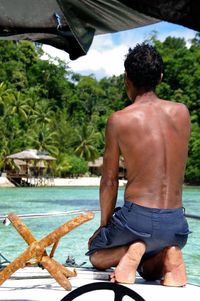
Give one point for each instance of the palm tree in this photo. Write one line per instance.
(33, 98)
(42, 114)
(5, 94)
(18, 106)
(65, 130)
(85, 144)
(43, 139)
(4, 91)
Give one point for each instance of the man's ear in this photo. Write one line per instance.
(161, 77)
(126, 80)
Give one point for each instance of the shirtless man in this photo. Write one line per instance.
(149, 231)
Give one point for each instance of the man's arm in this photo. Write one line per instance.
(109, 180)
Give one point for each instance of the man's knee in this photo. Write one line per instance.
(97, 261)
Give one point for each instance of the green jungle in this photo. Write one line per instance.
(44, 105)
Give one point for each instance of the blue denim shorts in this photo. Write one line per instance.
(157, 228)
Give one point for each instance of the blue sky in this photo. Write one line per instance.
(106, 55)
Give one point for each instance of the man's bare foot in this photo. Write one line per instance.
(126, 269)
(174, 272)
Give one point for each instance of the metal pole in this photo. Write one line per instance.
(65, 213)
(193, 216)
(48, 214)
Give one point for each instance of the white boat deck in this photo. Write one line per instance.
(35, 284)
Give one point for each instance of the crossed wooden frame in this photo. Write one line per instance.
(37, 250)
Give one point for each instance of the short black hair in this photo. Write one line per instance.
(144, 65)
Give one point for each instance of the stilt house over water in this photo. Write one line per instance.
(29, 168)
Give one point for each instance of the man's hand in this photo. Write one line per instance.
(93, 236)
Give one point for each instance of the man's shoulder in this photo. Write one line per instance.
(116, 115)
(176, 106)
(173, 103)
(122, 114)
(179, 113)
(127, 110)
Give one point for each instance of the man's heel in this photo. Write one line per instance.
(174, 272)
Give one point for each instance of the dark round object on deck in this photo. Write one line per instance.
(119, 291)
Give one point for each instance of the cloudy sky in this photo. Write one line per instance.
(106, 55)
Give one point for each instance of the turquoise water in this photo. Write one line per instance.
(41, 200)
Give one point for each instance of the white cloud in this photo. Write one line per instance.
(187, 34)
(54, 52)
(103, 42)
(103, 58)
(110, 61)
(107, 53)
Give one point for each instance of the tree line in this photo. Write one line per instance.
(46, 106)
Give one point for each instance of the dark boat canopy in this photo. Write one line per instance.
(70, 25)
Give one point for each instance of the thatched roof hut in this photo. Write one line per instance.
(96, 166)
(31, 154)
(28, 164)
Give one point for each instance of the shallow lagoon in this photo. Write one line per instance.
(41, 200)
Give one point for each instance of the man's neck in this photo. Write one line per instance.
(145, 97)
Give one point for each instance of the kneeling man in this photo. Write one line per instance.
(152, 134)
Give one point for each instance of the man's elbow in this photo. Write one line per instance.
(110, 181)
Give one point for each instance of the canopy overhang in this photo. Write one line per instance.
(70, 25)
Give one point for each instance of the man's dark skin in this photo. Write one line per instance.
(152, 135)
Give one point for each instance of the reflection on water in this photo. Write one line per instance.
(40, 200)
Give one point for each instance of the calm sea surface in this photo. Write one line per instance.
(41, 200)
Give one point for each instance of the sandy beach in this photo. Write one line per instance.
(81, 181)
(4, 182)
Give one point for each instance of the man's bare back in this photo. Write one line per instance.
(153, 138)
(152, 135)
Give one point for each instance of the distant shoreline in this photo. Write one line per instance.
(66, 182)
(75, 182)
(82, 181)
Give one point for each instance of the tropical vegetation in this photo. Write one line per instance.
(46, 106)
